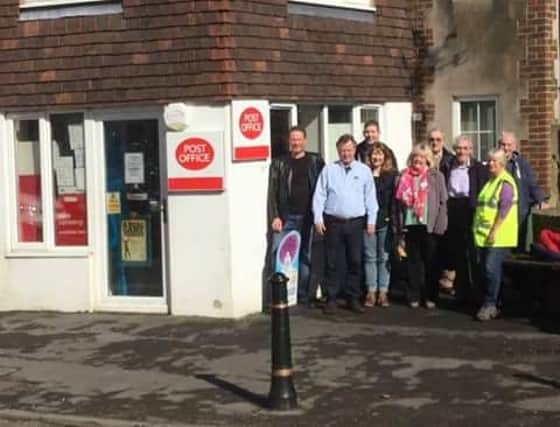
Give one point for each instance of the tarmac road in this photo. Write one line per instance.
(389, 367)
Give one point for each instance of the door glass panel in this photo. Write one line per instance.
(340, 123)
(28, 181)
(134, 208)
(309, 117)
(469, 117)
(279, 128)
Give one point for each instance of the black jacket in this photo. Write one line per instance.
(279, 184)
(478, 175)
(385, 189)
(447, 158)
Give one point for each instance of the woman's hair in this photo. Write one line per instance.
(499, 155)
(423, 150)
(387, 165)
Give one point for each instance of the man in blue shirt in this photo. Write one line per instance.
(344, 203)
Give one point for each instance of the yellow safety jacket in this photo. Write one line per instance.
(487, 210)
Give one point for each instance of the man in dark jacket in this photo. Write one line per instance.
(464, 177)
(371, 135)
(291, 184)
(529, 192)
(442, 156)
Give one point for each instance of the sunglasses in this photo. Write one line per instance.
(436, 139)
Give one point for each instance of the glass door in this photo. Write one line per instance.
(134, 209)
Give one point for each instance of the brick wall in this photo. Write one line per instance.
(537, 69)
(164, 50)
(423, 74)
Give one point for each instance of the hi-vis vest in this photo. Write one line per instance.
(487, 210)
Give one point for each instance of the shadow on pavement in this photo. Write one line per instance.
(249, 396)
(536, 379)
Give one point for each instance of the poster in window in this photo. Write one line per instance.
(134, 168)
(135, 242)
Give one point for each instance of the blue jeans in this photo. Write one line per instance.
(297, 223)
(375, 260)
(491, 260)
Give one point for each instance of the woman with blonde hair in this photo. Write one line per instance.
(420, 219)
(376, 255)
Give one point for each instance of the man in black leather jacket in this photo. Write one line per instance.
(291, 184)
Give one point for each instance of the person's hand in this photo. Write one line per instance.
(370, 229)
(543, 206)
(491, 236)
(276, 225)
(320, 229)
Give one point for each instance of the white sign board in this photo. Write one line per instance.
(195, 161)
(251, 130)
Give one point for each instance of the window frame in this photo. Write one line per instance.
(457, 101)
(31, 4)
(48, 247)
(338, 4)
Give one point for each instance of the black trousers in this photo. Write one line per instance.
(459, 246)
(422, 270)
(344, 242)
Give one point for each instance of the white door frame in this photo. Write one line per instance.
(102, 300)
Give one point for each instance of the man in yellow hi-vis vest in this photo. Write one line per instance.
(495, 228)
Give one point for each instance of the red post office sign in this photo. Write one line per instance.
(195, 161)
(251, 130)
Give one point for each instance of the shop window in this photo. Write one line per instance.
(50, 185)
(69, 182)
(50, 3)
(339, 123)
(309, 117)
(32, 10)
(28, 181)
(476, 118)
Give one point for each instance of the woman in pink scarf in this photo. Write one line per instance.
(420, 218)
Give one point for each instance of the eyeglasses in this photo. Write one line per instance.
(436, 139)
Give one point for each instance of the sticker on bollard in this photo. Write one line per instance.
(287, 262)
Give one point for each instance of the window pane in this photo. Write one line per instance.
(367, 114)
(468, 117)
(487, 142)
(69, 187)
(309, 117)
(340, 122)
(279, 129)
(28, 181)
(488, 116)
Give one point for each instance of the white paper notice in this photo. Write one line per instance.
(76, 136)
(65, 171)
(79, 157)
(80, 179)
(134, 168)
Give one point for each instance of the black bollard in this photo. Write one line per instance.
(282, 394)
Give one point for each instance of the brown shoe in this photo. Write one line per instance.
(356, 307)
(382, 299)
(330, 308)
(370, 300)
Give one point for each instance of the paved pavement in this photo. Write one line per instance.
(389, 367)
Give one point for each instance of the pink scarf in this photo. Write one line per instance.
(411, 195)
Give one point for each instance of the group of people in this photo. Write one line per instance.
(444, 215)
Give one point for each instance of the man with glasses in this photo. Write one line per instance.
(442, 156)
(465, 176)
(529, 192)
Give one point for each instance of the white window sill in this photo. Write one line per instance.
(61, 253)
(56, 3)
(335, 5)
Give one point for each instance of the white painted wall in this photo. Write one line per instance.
(397, 129)
(218, 240)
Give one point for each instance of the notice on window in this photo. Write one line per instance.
(134, 241)
(113, 202)
(65, 171)
(134, 168)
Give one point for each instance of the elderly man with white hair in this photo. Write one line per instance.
(529, 192)
(465, 176)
